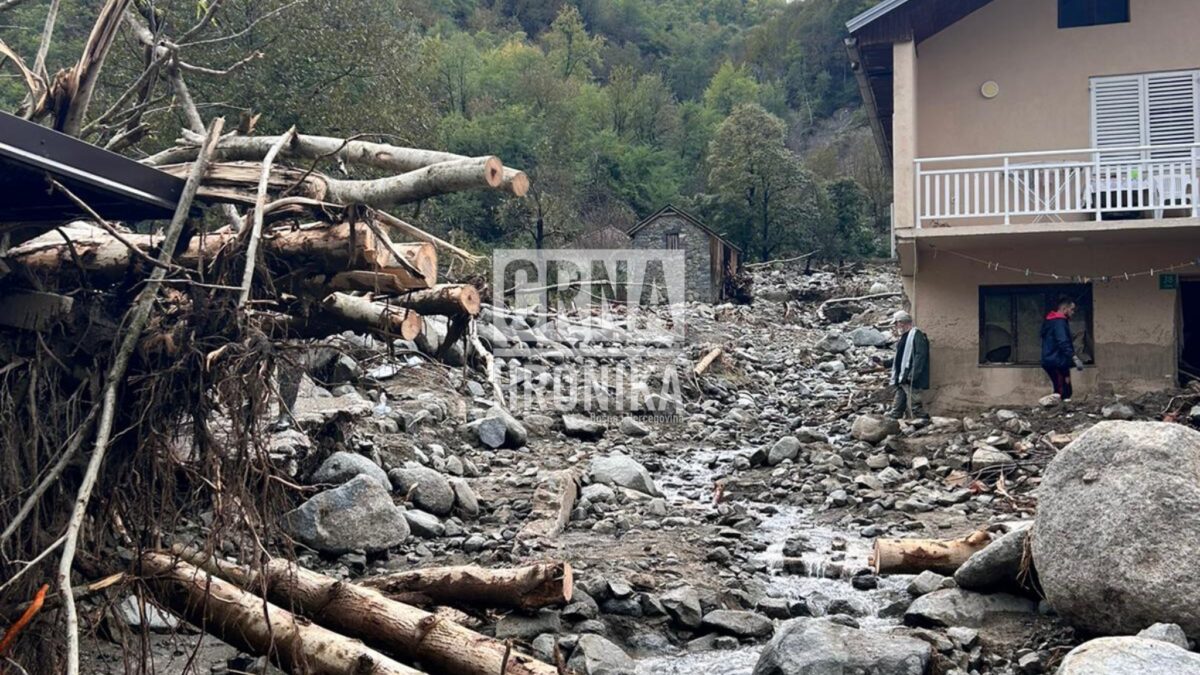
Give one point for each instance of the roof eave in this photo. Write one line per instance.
(866, 18)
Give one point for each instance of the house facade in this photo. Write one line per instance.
(707, 257)
(1041, 148)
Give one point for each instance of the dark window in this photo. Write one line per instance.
(671, 241)
(1010, 322)
(1075, 13)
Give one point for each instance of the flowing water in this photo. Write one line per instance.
(830, 556)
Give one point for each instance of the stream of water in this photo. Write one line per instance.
(690, 480)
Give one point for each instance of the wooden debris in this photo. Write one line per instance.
(913, 556)
(530, 587)
(708, 360)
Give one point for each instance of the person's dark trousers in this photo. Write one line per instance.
(906, 397)
(1060, 379)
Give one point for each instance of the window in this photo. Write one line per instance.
(1010, 322)
(1151, 109)
(671, 241)
(1075, 13)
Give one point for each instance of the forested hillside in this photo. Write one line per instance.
(743, 111)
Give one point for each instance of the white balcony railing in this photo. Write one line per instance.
(1058, 185)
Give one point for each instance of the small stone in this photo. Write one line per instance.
(925, 582)
(424, 525)
(1167, 632)
(523, 627)
(632, 427)
(342, 466)
(787, 447)
(873, 428)
(578, 426)
(739, 623)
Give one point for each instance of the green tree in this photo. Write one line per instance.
(769, 197)
(569, 45)
(730, 87)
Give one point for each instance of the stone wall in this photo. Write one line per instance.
(696, 253)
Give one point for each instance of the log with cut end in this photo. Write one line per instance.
(708, 360)
(247, 622)
(443, 300)
(913, 556)
(352, 152)
(410, 633)
(530, 587)
(362, 314)
(322, 247)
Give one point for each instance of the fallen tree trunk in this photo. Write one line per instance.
(913, 556)
(362, 314)
(411, 633)
(246, 622)
(443, 300)
(531, 587)
(350, 152)
(325, 248)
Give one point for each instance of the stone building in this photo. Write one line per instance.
(708, 257)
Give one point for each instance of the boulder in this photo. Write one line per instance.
(499, 429)
(357, 516)
(428, 489)
(583, 428)
(873, 428)
(1118, 518)
(739, 623)
(925, 583)
(1118, 411)
(527, 627)
(987, 459)
(595, 655)
(996, 567)
(1167, 632)
(834, 344)
(821, 647)
(620, 470)
(632, 427)
(787, 447)
(956, 607)
(683, 606)
(1129, 656)
(465, 499)
(341, 466)
(424, 525)
(868, 337)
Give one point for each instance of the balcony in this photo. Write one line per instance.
(1058, 186)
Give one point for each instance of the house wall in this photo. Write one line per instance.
(1044, 101)
(695, 244)
(1133, 322)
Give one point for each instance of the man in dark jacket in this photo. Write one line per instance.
(1058, 348)
(910, 369)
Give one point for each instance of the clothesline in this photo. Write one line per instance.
(1078, 278)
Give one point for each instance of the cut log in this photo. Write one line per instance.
(247, 622)
(237, 182)
(436, 179)
(913, 556)
(323, 247)
(351, 152)
(362, 314)
(531, 587)
(708, 360)
(409, 632)
(443, 300)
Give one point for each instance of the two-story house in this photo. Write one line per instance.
(1041, 148)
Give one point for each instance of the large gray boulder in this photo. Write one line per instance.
(997, 567)
(621, 470)
(358, 516)
(683, 605)
(583, 428)
(1129, 656)
(787, 447)
(873, 428)
(1118, 519)
(428, 489)
(341, 466)
(739, 623)
(822, 647)
(595, 655)
(499, 429)
(956, 607)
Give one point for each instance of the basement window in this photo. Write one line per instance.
(1010, 322)
(1078, 13)
(671, 241)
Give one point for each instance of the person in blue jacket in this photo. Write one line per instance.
(1058, 348)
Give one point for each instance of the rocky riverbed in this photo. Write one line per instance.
(728, 534)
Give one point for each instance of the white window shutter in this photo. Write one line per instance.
(1171, 111)
(1118, 118)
